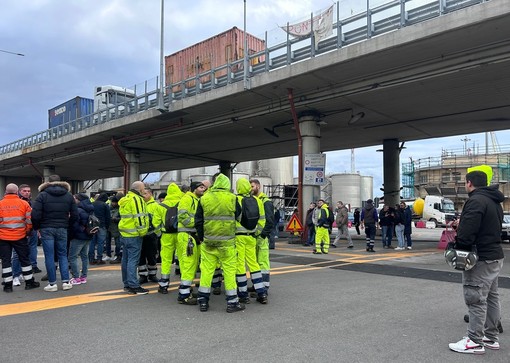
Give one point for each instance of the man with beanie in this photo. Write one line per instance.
(188, 251)
(480, 229)
(53, 211)
(15, 226)
(369, 220)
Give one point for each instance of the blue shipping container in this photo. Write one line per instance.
(69, 111)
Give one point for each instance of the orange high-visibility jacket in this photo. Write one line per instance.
(15, 222)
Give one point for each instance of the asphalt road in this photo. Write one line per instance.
(347, 306)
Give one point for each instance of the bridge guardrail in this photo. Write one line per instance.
(382, 19)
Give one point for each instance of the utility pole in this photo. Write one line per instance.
(465, 139)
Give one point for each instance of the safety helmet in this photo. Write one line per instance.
(460, 260)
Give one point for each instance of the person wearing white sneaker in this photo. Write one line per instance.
(66, 285)
(16, 282)
(51, 288)
(479, 229)
(466, 345)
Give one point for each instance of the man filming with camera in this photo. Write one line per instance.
(479, 230)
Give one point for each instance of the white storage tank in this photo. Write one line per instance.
(280, 170)
(347, 188)
(112, 183)
(198, 178)
(367, 188)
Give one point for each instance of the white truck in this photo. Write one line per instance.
(439, 210)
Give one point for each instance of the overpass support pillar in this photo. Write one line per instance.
(226, 169)
(3, 184)
(310, 134)
(133, 159)
(47, 171)
(391, 167)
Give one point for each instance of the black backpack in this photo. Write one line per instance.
(331, 216)
(171, 218)
(93, 224)
(249, 212)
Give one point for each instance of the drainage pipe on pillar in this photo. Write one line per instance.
(300, 154)
(37, 170)
(124, 162)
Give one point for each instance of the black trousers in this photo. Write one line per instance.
(22, 249)
(149, 250)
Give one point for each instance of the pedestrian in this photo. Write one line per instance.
(54, 210)
(310, 225)
(342, 224)
(274, 232)
(356, 220)
(386, 220)
(80, 240)
(133, 225)
(147, 266)
(480, 228)
(25, 193)
(15, 226)
(262, 238)
(399, 222)
(246, 246)
(369, 220)
(323, 227)
(408, 226)
(102, 212)
(114, 229)
(187, 248)
(168, 238)
(215, 221)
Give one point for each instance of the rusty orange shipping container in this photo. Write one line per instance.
(209, 54)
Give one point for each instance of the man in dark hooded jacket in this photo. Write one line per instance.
(480, 228)
(53, 211)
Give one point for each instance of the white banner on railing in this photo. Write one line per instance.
(322, 26)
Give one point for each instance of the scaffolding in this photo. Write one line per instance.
(284, 198)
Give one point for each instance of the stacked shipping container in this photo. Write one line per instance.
(69, 111)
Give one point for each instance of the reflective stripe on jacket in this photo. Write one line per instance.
(186, 211)
(15, 222)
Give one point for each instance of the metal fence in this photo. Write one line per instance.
(384, 18)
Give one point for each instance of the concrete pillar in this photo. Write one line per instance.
(47, 171)
(226, 169)
(3, 184)
(310, 134)
(391, 167)
(133, 159)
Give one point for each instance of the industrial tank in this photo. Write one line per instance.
(347, 188)
(280, 170)
(367, 188)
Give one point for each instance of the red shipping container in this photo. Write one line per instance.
(211, 53)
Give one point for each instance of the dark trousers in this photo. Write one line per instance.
(149, 250)
(22, 249)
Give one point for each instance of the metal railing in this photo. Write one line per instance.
(382, 19)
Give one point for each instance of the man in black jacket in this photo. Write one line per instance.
(480, 227)
(53, 211)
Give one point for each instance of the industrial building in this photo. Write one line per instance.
(445, 175)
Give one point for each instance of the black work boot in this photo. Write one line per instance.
(232, 308)
(204, 304)
(31, 284)
(8, 287)
(143, 279)
(153, 278)
(262, 298)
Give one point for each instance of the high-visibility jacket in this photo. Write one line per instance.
(269, 214)
(15, 214)
(216, 215)
(187, 208)
(173, 196)
(243, 190)
(134, 221)
(152, 208)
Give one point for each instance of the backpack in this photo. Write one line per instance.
(249, 212)
(331, 216)
(171, 218)
(93, 224)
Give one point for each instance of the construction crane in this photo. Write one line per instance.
(494, 142)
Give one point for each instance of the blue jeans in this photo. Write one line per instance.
(387, 235)
(77, 248)
(32, 245)
(16, 266)
(118, 246)
(131, 248)
(399, 230)
(52, 238)
(97, 240)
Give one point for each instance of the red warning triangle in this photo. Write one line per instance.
(294, 225)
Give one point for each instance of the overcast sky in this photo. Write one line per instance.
(72, 46)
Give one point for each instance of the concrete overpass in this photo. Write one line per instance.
(445, 76)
